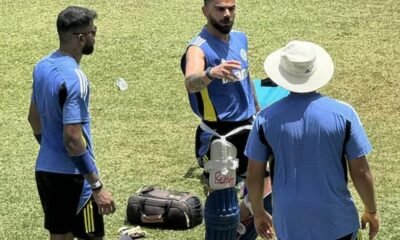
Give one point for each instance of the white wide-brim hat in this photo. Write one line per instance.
(300, 67)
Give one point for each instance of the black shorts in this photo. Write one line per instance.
(60, 195)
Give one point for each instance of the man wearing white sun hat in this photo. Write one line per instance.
(315, 140)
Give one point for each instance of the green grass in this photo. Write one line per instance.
(145, 135)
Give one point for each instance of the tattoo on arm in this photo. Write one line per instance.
(195, 82)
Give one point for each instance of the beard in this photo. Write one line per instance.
(224, 26)
(88, 49)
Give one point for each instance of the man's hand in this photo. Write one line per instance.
(104, 201)
(225, 70)
(263, 225)
(373, 221)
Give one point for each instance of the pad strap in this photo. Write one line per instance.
(84, 163)
(223, 165)
(247, 203)
(206, 128)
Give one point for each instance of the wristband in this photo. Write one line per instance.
(96, 186)
(208, 74)
(38, 137)
(84, 163)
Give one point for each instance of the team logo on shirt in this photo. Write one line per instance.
(243, 54)
(241, 74)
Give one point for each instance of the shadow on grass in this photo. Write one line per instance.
(190, 173)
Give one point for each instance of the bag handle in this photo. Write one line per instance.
(151, 219)
(159, 218)
(145, 190)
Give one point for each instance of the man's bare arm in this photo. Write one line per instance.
(196, 78)
(363, 182)
(34, 121)
(253, 91)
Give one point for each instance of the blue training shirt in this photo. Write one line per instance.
(306, 133)
(57, 107)
(222, 100)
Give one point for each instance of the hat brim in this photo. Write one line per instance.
(322, 75)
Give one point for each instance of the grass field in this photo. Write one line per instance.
(145, 135)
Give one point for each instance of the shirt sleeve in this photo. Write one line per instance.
(256, 147)
(358, 144)
(75, 108)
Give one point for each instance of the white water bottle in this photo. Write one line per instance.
(121, 84)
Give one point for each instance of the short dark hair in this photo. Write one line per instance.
(74, 17)
(206, 2)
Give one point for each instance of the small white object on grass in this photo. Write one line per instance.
(121, 84)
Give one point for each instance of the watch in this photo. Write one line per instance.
(96, 185)
(208, 74)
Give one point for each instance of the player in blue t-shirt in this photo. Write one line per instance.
(222, 95)
(315, 140)
(70, 190)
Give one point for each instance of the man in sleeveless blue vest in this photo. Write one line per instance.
(221, 93)
(70, 190)
(314, 140)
